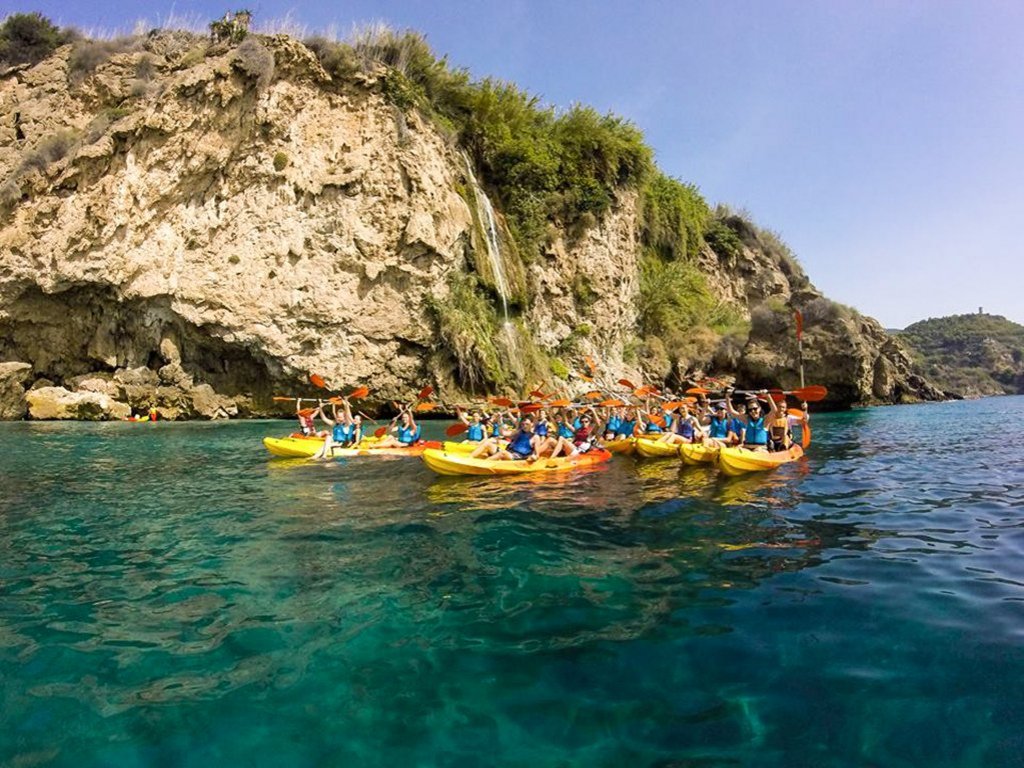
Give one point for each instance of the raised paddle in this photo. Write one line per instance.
(425, 393)
(425, 407)
(380, 432)
(359, 393)
(627, 384)
(560, 403)
(456, 429)
(595, 395)
(504, 402)
(698, 391)
(318, 380)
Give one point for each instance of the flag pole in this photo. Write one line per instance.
(800, 344)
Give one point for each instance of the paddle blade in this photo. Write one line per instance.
(811, 394)
(627, 383)
(307, 411)
(595, 395)
(380, 432)
(504, 402)
(561, 403)
(283, 399)
(590, 363)
(671, 405)
(425, 393)
(424, 407)
(805, 435)
(318, 380)
(613, 403)
(656, 419)
(530, 407)
(778, 397)
(796, 413)
(456, 429)
(359, 394)
(698, 391)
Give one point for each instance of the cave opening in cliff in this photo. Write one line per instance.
(88, 330)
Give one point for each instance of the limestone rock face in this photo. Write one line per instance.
(13, 377)
(203, 240)
(58, 403)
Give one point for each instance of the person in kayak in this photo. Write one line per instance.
(345, 431)
(723, 430)
(406, 431)
(611, 426)
(687, 429)
(657, 421)
(475, 422)
(755, 423)
(522, 445)
(307, 418)
(582, 439)
(628, 425)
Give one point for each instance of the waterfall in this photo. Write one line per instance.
(485, 211)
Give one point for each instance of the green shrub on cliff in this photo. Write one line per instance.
(468, 327)
(28, 38)
(674, 217)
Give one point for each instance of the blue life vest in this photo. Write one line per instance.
(719, 428)
(496, 429)
(408, 435)
(475, 432)
(614, 422)
(541, 429)
(685, 429)
(653, 429)
(564, 430)
(625, 429)
(757, 432)
(576, 423)
(340, 433)
(668, 420)
(520, 444)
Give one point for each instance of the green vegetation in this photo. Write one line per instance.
(280, 161)
(28, 38)
(468, 328)
(675, 217)
(969, 354)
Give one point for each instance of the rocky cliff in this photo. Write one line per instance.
(196, 227)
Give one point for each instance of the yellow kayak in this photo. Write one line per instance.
(303, 447)
(698, 453)
(625, 446)
(739, 461)
(466, 446)
(652, 449)
(445, 463)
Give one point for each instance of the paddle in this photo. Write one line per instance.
(627, 384)
(456, 429)
(425, 393)
(283, 399)
(504, 402)
(318, 380)
(698, 391)
(380, 432)
(560, 403)
(613, 403)
(359, 393)
(595, 395)
(805, 435)
(425, 407)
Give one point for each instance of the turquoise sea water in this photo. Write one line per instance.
(169, 596)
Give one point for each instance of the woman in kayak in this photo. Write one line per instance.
(522, 445)
(687, 429)
(307, 418)
(345, 432)
(476, 424)
(657, 421)
(582, 439)
(406, 431)
(723, 430)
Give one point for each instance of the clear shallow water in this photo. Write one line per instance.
(168, 596)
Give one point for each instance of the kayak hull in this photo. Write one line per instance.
(697, 454)
(297, 446)
(740, 461)
(465, 446)
(458, 464)
(652, 449)
(624, 446)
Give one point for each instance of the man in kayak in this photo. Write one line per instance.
(755, 423)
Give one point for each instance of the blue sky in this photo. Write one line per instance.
(884, 141)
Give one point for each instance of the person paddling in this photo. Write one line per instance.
(406, 431)
(522, 445)
(755, 423)
(723, 430)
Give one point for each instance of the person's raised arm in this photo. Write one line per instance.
(728, 404)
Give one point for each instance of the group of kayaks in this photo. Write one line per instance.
(453, 458)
